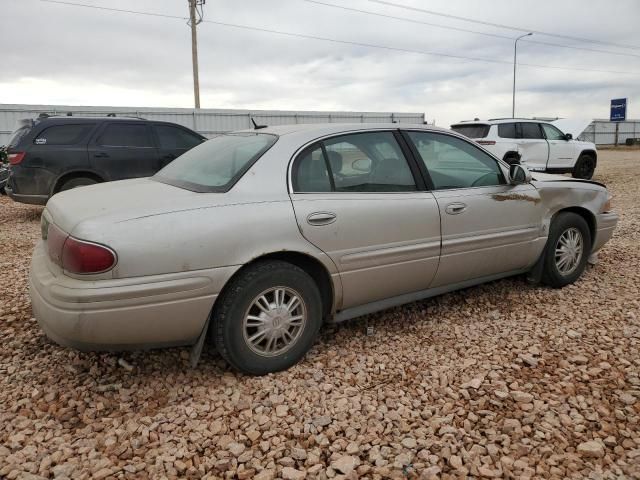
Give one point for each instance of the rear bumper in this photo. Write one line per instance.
(122, 314)
(31, 199)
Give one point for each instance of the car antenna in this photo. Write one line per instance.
(256, 126)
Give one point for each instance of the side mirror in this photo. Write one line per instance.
(518, 174)
(361, 165)
(568, 136)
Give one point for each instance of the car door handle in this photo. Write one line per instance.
(101, 155)
(321, 218)
(455, 208)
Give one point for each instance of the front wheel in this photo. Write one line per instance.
(584, 167)
(567, 251)
(267, 318)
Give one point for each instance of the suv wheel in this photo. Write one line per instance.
(267, 318)
(568, 248)
(77, 182)
(584, 168)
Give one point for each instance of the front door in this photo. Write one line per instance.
(124, 150)
(488, 226)
(357, 198)
(562, 152)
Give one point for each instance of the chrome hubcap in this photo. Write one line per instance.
(568, 251)
(274, 321)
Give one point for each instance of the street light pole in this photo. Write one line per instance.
(193, 22)
(515, 56)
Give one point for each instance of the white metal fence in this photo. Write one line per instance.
(603, 132)
(208, 122)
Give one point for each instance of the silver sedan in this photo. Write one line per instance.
(253, 239)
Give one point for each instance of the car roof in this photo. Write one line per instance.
(321, 129)
(497, 121)
(68, 118)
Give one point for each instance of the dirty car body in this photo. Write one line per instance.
(255, 238)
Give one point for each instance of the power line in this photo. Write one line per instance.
(459, 29)
(349, 42)
(499, 25)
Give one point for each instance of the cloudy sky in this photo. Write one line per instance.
(61, 54)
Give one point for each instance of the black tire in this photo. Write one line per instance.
(584, 167)
(77, 182)
(562, 223)
(512, 159)
(238, 297)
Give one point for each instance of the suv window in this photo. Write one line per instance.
(16, 136)
(176, 138)
(125, 135)
(472, 131)
(507, 130)
(361, 162)
(552, 133)
(63, 134)
(530, 130)
(455, 163)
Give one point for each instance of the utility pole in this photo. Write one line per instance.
(515, 56)
(193, 23)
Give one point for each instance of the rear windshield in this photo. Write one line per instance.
(472, 131)
(16, 136)
(217, 164)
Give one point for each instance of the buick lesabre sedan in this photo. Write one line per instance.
(253, 239)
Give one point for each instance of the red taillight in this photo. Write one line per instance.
(78, 256)
(84, 257)
(16, 158)
(486, 142)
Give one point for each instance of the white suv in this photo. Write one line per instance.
(539, 145)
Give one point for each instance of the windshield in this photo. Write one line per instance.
(472, 131)
(217, 164)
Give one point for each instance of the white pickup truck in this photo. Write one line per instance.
(540, 146)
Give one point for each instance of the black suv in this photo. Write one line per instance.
(51, 154)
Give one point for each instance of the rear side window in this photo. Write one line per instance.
(507, 130)
(530, 130)
(125, 135)
(362, 162)
(472, 131)
(176, 138)
(63, 134)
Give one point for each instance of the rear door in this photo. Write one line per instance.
(533, 147)
(173, 141)
(488, 226)
(562, 152)
(359, 199)
(121, 150)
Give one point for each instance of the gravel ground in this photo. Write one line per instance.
(503, 380)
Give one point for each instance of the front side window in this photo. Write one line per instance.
(530, 131)
(361, 162)
(552, 133)
(507, 130)
(455, 163)
(217, 164)
(174, 138)
(63, 134)
(125, 135)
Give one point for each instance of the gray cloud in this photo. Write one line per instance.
(63, 54)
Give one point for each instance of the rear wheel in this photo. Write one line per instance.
(511, 158)
(584, 167)
(267, 318)
(567, 251)
(77, 182)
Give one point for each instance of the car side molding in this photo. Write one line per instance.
(372, 307)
